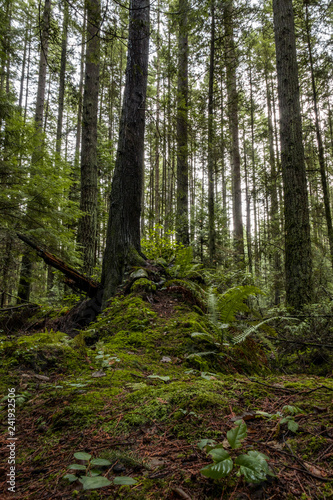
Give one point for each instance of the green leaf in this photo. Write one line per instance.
(292, 425)
(218, 470)
(236, 435)
(100, 461)
(77, 467)
(124, 480)
(165, 379)
(205, 442)
(92, 483)
(218, 453)
(71, 477)
(94, 472)
(253, 467)
(81, 455)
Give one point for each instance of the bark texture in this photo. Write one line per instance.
(123, 232)
(211, 169)
(182, 226)
(87, 233)
(298, 262)
(231, 62)
(27, 259)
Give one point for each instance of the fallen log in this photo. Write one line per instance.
(74, 278)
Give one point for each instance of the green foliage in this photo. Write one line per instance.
(233, 300)
(92, 478)
(160, 244)
(284, 417)
(222, 310)
(252, 465)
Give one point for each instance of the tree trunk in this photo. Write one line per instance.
(87, 232)
(233, 121)
(211, 176)
(182, 226)
(320, 145)
(123, 232)
(27, 262)
(298, 262)
(62, 78)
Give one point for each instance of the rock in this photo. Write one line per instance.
(139, 273)
(99, 373)
(118, 468)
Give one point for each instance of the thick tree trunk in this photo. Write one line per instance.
(298, 263)
(123, 232)
(87, 232)
(233, 121)
(182, 225)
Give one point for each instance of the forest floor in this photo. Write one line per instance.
(125, 390)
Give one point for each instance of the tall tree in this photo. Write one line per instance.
(182, 226)
(62, 78)
(27, 258)
(298, 261)
(231, 62)
(211, 169)
(123, 232)
(320, 145)
(87, 232)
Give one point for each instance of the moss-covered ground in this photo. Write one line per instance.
(124, 389)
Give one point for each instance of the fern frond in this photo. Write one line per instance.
(212, 306)
(205, 353)
(204, 336)
(190, 290)
(255, 329)
(232, 301)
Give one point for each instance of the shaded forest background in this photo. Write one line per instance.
(212, 142)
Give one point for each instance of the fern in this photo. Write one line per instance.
(191, 291)
(232, 301)
(255, 329)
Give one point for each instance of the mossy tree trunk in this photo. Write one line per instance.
(123, 232)
(298, 261)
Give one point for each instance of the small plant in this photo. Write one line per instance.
(103, 359)
(284, 417)
(252, 465)
(91, 477)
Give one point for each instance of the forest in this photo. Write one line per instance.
(166, 242)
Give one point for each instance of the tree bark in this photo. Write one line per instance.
(182, 225)
(123, 232)
(233, 121)
(27, 262)
(62, 78)
(320, 145)
(298, 261)
(211, 169)
(87, 232)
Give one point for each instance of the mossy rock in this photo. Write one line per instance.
(41, 352)
(143, 285)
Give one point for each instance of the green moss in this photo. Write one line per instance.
(41, 352)
(143, 285)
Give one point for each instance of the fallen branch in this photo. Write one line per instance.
(74, 278)
(29, 304)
